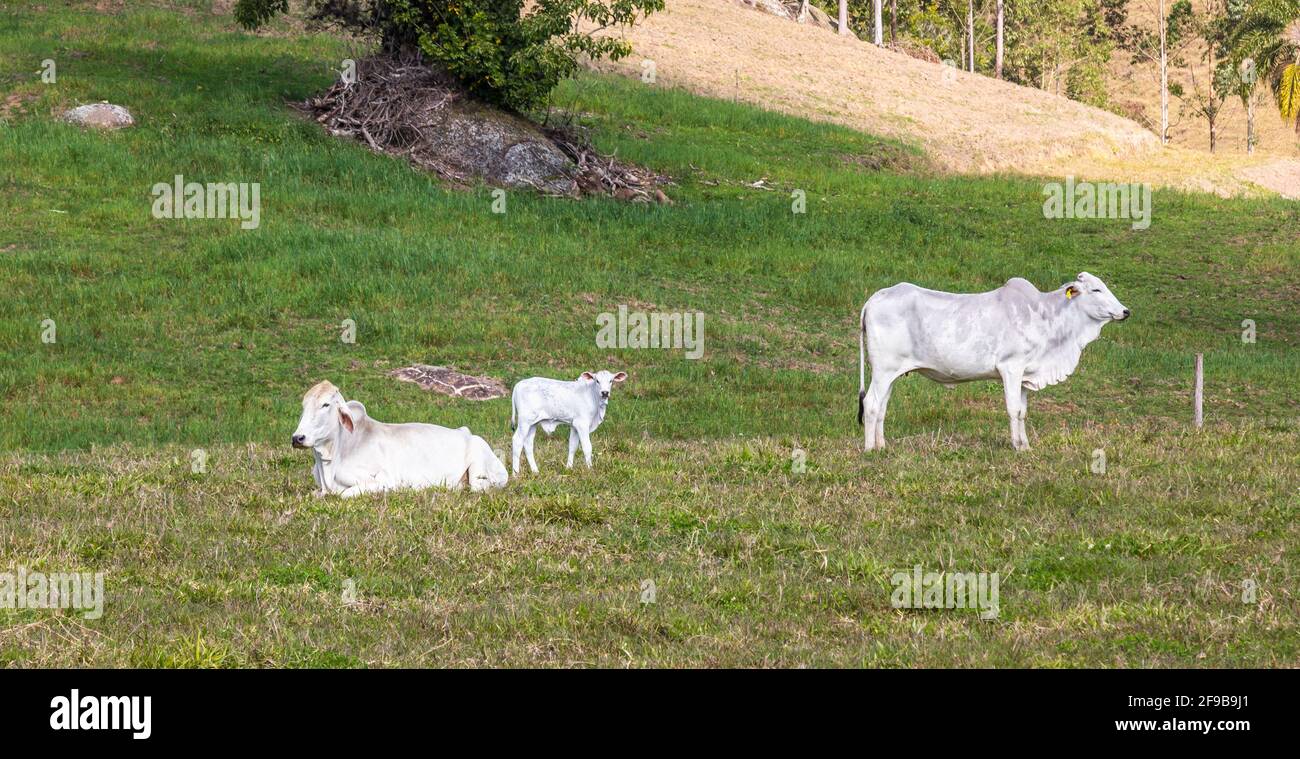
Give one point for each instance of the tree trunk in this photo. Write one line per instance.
(1250, 124)
(844, 16)
(1210, 109)
(1164, 76)
(970, 32)
(893, 21)
(879, 27)
(997, 63)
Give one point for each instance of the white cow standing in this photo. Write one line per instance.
(356, 454)
(1026, 338)
(550, 403)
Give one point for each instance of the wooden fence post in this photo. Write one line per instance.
(1199, 396)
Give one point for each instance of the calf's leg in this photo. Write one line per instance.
(573, 445)
(584, 437)
(517, 445)
(528, 447)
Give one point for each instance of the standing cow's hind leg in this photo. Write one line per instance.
(873, 409)
(880, 416)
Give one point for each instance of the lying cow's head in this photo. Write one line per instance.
(1097, 301)
(604, 379)
(323, 412)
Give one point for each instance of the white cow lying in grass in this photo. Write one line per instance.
(550, 403)
(356, 454)
(1026, 338)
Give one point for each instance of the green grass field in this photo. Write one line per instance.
(176, 335)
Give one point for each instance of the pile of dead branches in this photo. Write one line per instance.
(394, 104)
(447, 381)
(600, 174)
(389, 103)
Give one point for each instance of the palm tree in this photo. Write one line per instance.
(1269, 33)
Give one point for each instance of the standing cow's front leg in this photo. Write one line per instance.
(1015, 396)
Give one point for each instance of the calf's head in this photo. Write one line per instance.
(323, 412)
(604, 380)
(1091, 295)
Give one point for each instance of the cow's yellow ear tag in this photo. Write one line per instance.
(1070, 292)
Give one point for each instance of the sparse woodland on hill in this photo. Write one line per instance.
(1241, 48)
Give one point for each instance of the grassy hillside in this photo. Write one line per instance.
(177, 335)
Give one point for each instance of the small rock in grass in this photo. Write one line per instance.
(100, 115)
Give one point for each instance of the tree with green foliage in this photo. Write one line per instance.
(1267, 32)
(1209, 93)
(1056, 45)
(1060, 46)
(500, 53)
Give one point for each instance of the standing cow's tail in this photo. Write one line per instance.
(862, 361)
(513, 414)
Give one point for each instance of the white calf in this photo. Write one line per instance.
(550, 403)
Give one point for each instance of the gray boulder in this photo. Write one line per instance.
(817, 17)
(774, 7)
(501, 148)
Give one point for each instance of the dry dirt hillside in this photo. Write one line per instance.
(965, 122)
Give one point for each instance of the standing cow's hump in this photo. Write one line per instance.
(1025, 307)
(1021, 285)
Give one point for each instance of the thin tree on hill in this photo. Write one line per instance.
(997, 60)
(1210, 91)
(1161, 48)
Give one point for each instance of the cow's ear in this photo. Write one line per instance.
(1071, 291)
(587, 376)
(620, 376)
(345, 418)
